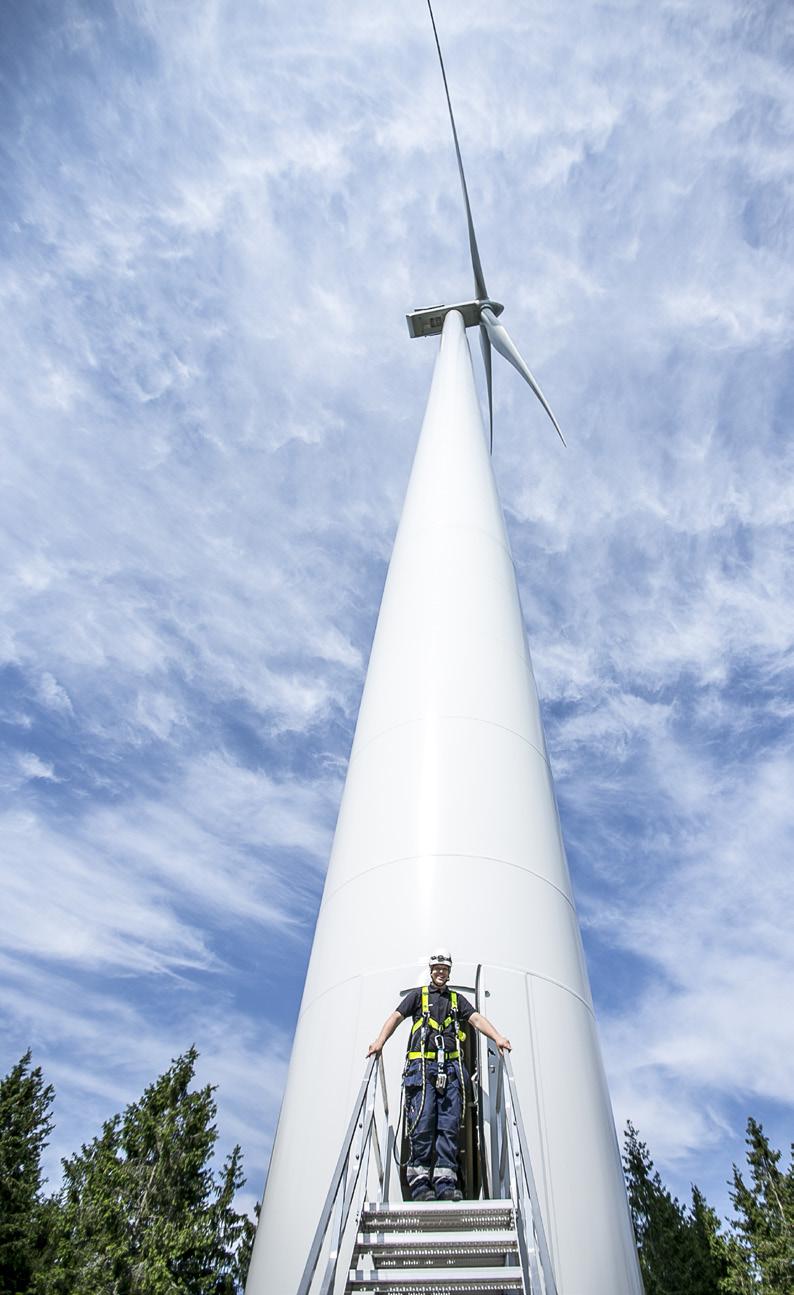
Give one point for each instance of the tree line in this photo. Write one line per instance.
(688, 1251)
(141, 1210)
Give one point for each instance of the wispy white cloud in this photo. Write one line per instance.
(32, 767)
(138, 888)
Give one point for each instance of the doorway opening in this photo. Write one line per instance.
(471, 1172)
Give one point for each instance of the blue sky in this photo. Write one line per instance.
(213, 218)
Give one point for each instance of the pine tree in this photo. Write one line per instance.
(679, 1254)
(765, 1215)
(142, 1212)
(715, 1260)
(25, 1126)
(659, 1221)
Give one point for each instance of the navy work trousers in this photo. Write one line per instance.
(433, 1125)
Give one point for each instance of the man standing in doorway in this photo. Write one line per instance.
(435, 1092)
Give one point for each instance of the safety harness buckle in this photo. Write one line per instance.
(441, 1075)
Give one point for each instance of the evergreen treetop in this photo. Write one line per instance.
(142, 1212)
(25, 1127)
(765, 1214)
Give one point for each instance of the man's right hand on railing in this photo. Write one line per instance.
(387, 1030)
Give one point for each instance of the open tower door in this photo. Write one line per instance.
(471, 1164)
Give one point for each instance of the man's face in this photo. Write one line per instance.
(439, 974)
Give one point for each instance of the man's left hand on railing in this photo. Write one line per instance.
(490, 1031)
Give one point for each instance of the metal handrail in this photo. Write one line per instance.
(512, 1176)
(370, 1141)
(347, 1175)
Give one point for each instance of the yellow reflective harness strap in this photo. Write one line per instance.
(431, 1021)
(453, 998)
(426, 1019)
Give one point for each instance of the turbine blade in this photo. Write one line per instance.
(479, 278)
(485, 347)
(505, 345)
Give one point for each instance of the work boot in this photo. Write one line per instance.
(421, 1189)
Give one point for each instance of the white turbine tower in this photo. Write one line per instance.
(448, 830)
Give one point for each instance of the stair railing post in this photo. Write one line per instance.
(495, 1111)
(335, 1230)
(339, 1174)
(373, 1141)
(389, 1134)
(355, 1167)
(549, 1281)
(517, 1193)
(374, 1147)
(526, 1256)
(371, 1138)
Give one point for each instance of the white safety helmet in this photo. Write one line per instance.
(441, 959)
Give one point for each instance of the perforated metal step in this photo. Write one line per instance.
(436, 1248)
(460, 1281)
(480, 1248)
(438, 1216)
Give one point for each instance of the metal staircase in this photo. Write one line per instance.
(366, 1243)
(431, 1247)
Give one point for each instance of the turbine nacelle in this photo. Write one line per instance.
(429, 320)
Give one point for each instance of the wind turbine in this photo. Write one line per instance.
(483, 310)
(448, 831)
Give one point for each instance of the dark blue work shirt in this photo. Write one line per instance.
(440, 1008)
